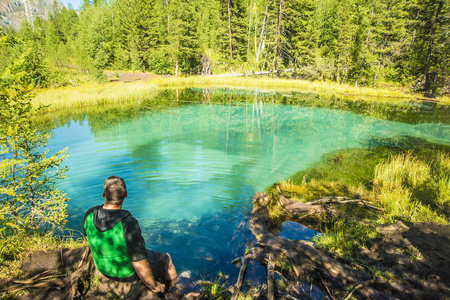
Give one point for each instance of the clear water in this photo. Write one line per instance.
(191, 171)
(295, 231)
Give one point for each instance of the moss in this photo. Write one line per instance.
(283, 264)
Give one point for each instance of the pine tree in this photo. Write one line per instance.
(137, 29)
(298, 48)
(429, 53)
(239, 29)
(182, 36)
(360, 58)
(95, 36)
(386, 34)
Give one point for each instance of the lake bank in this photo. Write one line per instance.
(136, 89)
(406, 260)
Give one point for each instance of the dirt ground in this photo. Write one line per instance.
(417, 254)
(128, 77)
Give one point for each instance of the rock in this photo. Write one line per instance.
(60, 260)
(185, 274)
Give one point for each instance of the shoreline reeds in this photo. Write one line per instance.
(95, 93)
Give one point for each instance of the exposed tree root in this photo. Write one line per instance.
(309, 262)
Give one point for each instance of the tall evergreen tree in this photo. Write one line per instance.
(137, 29)
(182, 36)
(386, 36)
(429, 57)
(298, 44)
(95, 35)
(361, 60)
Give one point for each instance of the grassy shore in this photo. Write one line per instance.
(406, 185)
(15, 248)
(93, 93)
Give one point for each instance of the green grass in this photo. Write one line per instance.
(15, 248)
(352, 167)
(217, 289)
(343, 237)
(407, 187)
(90, 93)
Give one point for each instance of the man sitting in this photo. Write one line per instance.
(117, 246)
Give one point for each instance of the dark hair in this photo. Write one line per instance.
(114, 189)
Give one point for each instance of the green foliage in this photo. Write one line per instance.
(344, 237)
(29, 200)
(349, 41)
(137, 30)
(28, 59)
(218, 289)
(159, 62)
(182, 42)
(411, 189)
(429, 53)
(299, 29)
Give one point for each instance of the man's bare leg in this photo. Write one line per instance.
(171, 274)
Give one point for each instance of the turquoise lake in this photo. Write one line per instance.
(191, 170)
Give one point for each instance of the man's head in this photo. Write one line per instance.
(114, 190)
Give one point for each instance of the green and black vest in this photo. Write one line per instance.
(113, 236)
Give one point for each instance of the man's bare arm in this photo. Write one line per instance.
(142, 268)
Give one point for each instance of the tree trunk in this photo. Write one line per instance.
(279, 33)
(432, 78)
(261, 36)
(178, 57)
(249, 26)
(229, 31)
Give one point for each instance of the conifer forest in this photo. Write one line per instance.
(368, 43)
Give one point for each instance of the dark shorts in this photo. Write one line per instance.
(159, 263)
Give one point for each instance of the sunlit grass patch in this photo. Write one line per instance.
(315, 189)
(343, 237)
(15, 248)
(217, 289)
(92, 94)
(409, 188)
(281, 84)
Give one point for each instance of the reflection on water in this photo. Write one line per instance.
(191, 170)
(295, 231)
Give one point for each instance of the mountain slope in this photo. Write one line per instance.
(12, 12)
